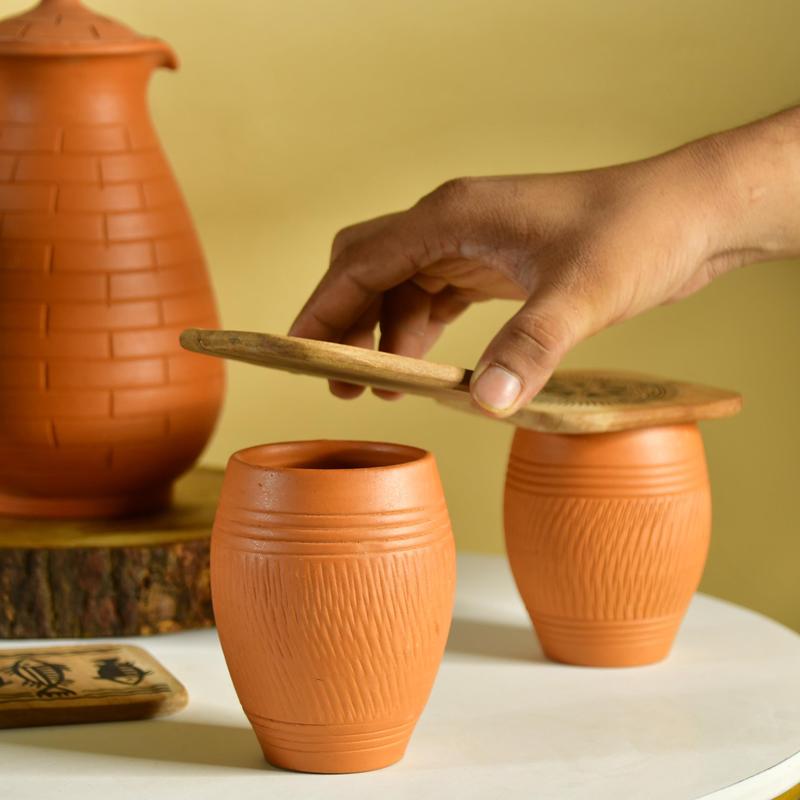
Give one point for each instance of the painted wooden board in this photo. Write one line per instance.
(84, 683)
(574, 401)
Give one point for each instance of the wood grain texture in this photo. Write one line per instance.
(607, 551)
(84, 683)
(574, 401)
(134, 576)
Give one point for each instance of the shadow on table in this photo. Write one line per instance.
(494, 640)
(177, 741)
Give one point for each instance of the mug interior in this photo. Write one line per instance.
(330, 455)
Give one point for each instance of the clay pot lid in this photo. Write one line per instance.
(68, 28)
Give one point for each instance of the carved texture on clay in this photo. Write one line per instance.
(100, 270)
(607, 555)
(334, 624)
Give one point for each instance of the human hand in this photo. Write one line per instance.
(582, 250)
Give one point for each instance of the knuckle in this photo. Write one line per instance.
(452, 194)
(346, 234)
(541, 338)
(339, 264)
(347, 256)
(342, 240)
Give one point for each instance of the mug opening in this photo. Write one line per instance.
(330, 455)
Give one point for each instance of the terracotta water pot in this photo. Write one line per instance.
(100, 269)
(332, 575)
(607, 535)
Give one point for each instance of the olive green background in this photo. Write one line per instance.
(289, 120)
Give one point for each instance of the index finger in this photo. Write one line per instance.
(358, 275)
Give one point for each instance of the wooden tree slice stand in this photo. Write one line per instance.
(122, 577)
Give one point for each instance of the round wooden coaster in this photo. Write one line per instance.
(124, 577)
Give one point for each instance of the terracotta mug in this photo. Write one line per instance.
(607, 535)
(332, 573)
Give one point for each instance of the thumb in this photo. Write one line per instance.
(522, 356)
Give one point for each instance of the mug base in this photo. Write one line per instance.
(335, 763)
(331, 749)
(606, 643)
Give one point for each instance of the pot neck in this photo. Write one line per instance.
(100, 90)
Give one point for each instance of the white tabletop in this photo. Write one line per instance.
(720, 719)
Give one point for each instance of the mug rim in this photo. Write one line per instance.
(289, 456)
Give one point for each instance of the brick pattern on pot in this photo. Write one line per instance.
(100, 269)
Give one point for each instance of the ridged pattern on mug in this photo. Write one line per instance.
(305, 738)
(379, 592)
(614, 632)
(292, 533)
(333, 594)
(390, 608)
(588, 480)
(607, 536)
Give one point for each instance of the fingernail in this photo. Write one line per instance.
(496, 389)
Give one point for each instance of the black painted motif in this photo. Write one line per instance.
(48, 678)
(125, 672)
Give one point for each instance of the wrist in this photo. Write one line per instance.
(754, 177)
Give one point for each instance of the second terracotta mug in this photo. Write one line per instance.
(333, 572)
(607, 535)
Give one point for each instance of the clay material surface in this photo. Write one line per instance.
(607, 535)
(100, 269)
(333, 571)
